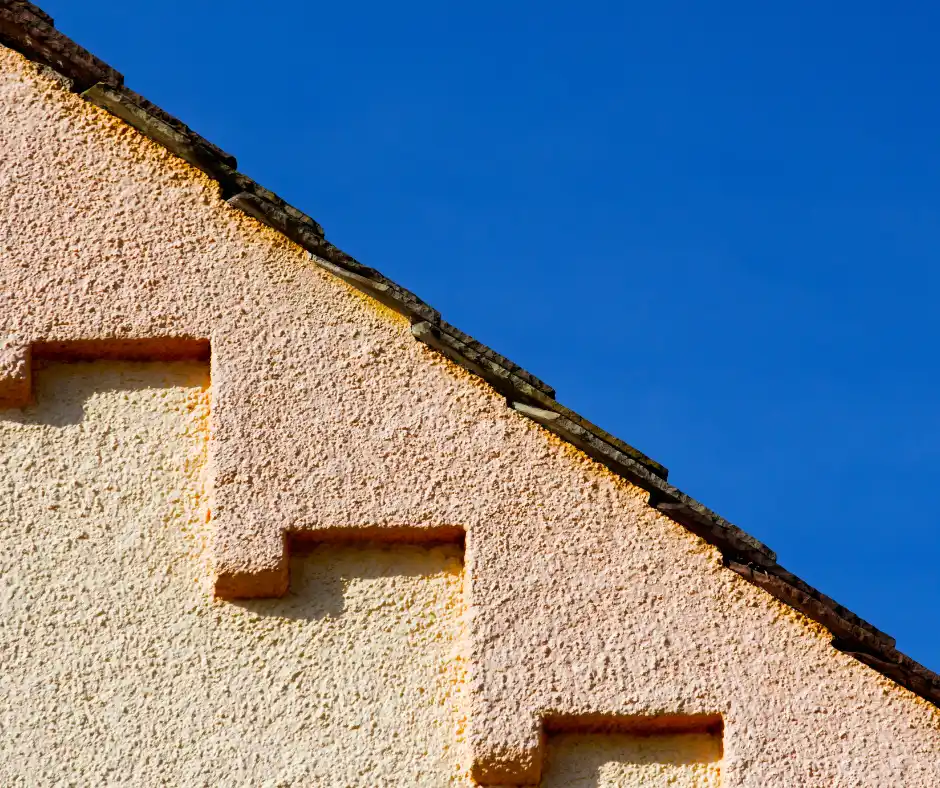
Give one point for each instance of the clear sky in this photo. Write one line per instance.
(713, 228)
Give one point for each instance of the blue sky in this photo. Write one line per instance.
(714, 229)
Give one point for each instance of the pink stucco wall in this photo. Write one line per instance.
(586, 607)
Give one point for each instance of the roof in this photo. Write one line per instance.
(29, 30)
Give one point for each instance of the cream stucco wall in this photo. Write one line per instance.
(620, 761)
(119, 667)
(329, 421)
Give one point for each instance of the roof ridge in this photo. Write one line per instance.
(30, 31)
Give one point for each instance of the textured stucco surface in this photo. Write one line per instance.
(327, 418)
(119, 667)
(618, 761)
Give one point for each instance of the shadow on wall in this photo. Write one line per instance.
(60, 400)
(321, 577)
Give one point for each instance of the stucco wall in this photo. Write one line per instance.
(329, 420)
(621, 761)
(119, 667)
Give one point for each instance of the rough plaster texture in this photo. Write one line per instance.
(119, 667)
(619, 761)
(328, 420)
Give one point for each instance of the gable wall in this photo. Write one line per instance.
(329, 420)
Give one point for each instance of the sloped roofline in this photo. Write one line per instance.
(30, 31)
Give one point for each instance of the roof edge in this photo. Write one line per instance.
(27, 29)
